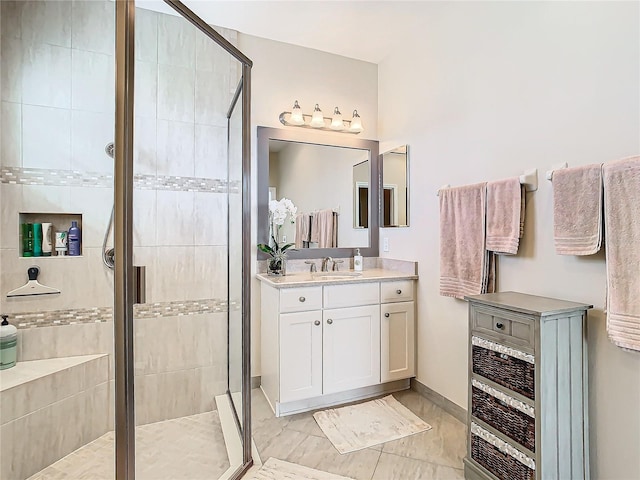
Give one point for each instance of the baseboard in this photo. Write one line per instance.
(256, 382)
(447, 405)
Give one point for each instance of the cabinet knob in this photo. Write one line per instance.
(398, 291)
(302, 299)
(329, 321)
(386, 315)
(316, 323)
(500, 325)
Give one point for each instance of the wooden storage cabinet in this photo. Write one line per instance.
(527, 388)
(320, 341)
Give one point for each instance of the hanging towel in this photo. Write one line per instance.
(466, 266)
(577, 210)
(622, 248)
(505, 200)
(323, 225)
(299, 230)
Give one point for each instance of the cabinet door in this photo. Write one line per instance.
(351, 348)
(397, 328)
(300, 355)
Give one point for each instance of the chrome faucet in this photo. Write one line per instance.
(312, 268)
(325, 261)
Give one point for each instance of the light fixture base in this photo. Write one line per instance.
(285, 116)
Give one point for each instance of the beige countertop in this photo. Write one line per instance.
(306, 279)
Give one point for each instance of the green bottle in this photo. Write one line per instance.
(27, 240)
(37, 239)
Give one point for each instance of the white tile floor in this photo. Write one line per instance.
(192, 448)
(189, 448)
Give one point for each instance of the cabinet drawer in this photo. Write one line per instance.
(506, 414)
(398, 291)
(505, 366)
(504, 327)
(300, 299)
(351, 295)
(500, 458)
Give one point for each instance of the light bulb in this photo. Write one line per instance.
(296, 117)
(356, 123)
(317, 120)
(336, 120)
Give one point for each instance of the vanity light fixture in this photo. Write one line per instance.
(296, 117)
(335, 123)
(336, 120)
(317, 120)
(356, 123)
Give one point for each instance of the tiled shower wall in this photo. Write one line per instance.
(57, 113)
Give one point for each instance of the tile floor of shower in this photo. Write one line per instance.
(193, 448)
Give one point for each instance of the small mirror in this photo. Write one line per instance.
(361, 195)
(395, 188)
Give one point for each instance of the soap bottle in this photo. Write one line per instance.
(357, 261)
(74, 238)
(27, 240)
(8, 341)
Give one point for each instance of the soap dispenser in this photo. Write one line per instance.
(8, 341)
(357, 261)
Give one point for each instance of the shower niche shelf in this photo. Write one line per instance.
(60, 222)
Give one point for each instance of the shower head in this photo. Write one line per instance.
(109, 149)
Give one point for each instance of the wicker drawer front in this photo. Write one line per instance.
(505, 366)
(502, 460)
(505, 414)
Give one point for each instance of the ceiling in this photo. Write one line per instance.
(363, 29)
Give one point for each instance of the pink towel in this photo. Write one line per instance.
(577, 210)
(622, 248)
(466, 267)
(505, 201)
(323, 227)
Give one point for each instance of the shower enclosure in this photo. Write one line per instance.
(141, 370)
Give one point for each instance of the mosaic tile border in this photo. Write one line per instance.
(75, 178)
(105, 314)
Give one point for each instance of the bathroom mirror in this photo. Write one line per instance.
(394, 211)
(315, 170)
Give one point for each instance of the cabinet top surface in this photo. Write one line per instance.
(304, 279)
(525, 303)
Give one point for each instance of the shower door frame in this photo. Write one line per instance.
(124, 275)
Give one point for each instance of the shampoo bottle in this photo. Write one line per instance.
(46, 240)
(27, 240)
(357, 261)
(8, 341)
(37, 239)
(74, 238)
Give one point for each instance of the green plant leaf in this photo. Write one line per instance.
(265, 248)
(288, 246)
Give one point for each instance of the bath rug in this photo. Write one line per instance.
(274, 469)
(366, 424)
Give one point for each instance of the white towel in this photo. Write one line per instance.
(505, 200)
(577, 210)
(466, 267)
(622, 248)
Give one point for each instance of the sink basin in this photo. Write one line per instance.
(335, 275)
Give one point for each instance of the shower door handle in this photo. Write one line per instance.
(140, 281)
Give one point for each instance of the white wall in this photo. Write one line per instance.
(283, 73)
(487, 91)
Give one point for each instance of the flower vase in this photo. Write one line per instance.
(277, 267)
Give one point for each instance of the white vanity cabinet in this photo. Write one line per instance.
(326, 344)
(397, 330)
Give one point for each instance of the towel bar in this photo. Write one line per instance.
(529, 179)
(557, 166)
